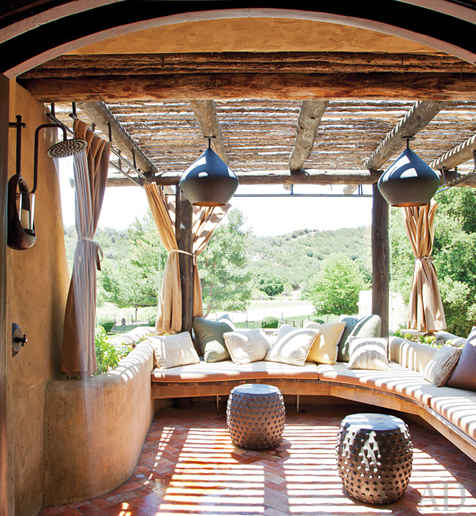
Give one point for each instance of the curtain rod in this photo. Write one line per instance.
(129, 165)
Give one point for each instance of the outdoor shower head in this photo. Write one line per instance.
(67, 148)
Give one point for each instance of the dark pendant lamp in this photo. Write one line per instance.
(209, 181)
(409, 181)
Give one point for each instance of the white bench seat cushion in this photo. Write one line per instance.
(227, 370)
(457, 406)
(399, 380)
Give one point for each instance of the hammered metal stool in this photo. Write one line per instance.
(374, 457)
(255, 416)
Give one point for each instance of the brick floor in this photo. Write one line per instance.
(189, 465)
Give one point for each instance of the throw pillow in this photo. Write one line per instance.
(368, 353)
(246, 346)
(292, 345)
(209, 336)
(173, 350)
(368, 326)
(441, 365)
(463, 376)
(325, 348)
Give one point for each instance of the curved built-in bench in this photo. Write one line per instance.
(95, 429)
(450, 411)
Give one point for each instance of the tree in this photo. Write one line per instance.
(335, 288)
(135, 279)
(226, 282)
(271, 286)
(454, 254)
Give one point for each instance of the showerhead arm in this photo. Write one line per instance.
(58, 150)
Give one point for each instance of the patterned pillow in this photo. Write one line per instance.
(246, 346)
(441, 365)
(174, 350)
(368, 326)
(368, 353)
(292, 345)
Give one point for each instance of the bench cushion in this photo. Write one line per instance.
(457, 406)
(227, 370)
(399, 380)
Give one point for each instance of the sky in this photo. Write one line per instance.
(265, 216)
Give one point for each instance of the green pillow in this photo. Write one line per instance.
(209, 336)
(350, 323)
(368, 327)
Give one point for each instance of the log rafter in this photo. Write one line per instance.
(307, 126)
(105, 121)
(206, 114)
(456, 156)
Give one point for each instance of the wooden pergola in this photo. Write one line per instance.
(282, 118)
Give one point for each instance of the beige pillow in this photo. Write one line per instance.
(368, 353)
(246, 346)
(325, 348)
(174, 350)
(292, 345)
(442, 364)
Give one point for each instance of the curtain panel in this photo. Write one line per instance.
(78, 357)
(426, 312)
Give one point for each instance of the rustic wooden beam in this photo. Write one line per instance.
(308, 123)
(108, 65)
(419, 116)
(108, 124)
(380, 260)
(206, 113)
(456, 156)
(183, 234)
(267, 86)
(281, 177)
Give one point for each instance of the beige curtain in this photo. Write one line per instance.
(426, 312)
(169, 311)
(78, 356)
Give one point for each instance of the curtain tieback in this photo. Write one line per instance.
(98, 249)
(185, 252)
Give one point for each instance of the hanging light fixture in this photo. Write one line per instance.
(409, 181)
(209, 181)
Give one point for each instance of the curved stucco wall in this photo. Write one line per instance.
(95, 429)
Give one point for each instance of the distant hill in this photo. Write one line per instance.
(293, 257)
(297, 256)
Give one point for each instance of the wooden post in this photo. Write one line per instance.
(380, 259)
(7, 505)
(183, 232)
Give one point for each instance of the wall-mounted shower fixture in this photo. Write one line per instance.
(21, 225)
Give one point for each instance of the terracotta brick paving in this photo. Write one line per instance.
(189, 466)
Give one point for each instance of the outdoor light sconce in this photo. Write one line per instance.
(409, 181)
(209, 181)
(21, 233)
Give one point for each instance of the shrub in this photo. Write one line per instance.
(423, 339)
(108, 355)
(152, 320)
(107, 325)
(270, 322)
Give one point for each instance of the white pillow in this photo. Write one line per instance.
(292, 345)
(441, 366)
(368, 353)
(246, 346)
(174, 350)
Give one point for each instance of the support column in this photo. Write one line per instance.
(380, 259)
(6, 438)
(183, 233)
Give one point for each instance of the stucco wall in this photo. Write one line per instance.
(37, 286)
(95, 429)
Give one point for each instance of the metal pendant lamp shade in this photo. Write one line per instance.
(409, 181)
(209, 181)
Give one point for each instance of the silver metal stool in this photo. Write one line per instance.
(255, 415)
(374, 457)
